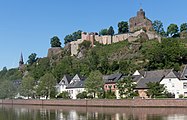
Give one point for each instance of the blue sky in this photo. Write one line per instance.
(27, 26)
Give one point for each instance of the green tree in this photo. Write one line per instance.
(172, 29)
(104, 64)
(55, 42)
(103, 32)
(72, 37)
(183, 27)
(64, 67)
(93, 60)
(7, 90)
(158, 27)
(27, 86)
(32, 58)
(40, 68)
(46, 85)
(111, 31)
(123, 27)
(126, 88)
(94, 83)
(166, 54)
(155, 89)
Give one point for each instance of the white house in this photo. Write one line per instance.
(61, 86)
(73, 85)
(76, 86)
(176, 83)
(173, 83)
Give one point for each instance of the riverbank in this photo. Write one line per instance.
(102, 103)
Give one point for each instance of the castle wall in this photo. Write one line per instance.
(75, 46)
(107, 39)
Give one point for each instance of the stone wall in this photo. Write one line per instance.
(107, 39)
(103, 102)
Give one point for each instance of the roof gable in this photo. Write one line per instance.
(172, 74)
(66, 79)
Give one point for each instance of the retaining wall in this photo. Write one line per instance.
(103, 103)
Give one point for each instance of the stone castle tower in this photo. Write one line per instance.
(140, 22)
(21, 63)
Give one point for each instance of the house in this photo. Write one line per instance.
(110, 82)
(183, 79)
(141, 78)
(176, 82)
(76, 86)
(61, 86)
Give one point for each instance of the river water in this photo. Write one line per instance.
(12, 112)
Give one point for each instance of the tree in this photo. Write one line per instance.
(55, 42)
(158, 27)
(172, 29)
(126, 88)
(183, 27)
(94, 83)
(103, 32)
(72, 37)
(123, 27)
(166, 54)
(7, 90)
(104, 65)
(27, 86)
(40, 68)
(111, 31)
(46, 85)
(64, 67)
(32, 58)
(155, 89)
(93, 60)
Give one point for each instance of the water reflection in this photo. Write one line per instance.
(9, 112)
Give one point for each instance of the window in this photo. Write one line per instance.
(173, 85)
(185, 85)
(169, 80)
(114, 86)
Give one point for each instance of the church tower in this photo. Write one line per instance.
(21, 63)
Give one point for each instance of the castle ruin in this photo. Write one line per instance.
(140, 22)
(138, 25)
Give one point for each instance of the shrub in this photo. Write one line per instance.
(82, 95)
(64, 95)
(181, 96)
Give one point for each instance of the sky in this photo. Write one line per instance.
(26, 26)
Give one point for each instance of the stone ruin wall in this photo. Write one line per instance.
(107, 39)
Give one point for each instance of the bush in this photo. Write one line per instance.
(64, 95)
(82, 95)
(181, 96)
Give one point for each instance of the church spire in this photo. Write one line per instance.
(21, 61)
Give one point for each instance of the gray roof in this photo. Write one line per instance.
(184, 73)
(66, 79)
(172, 74)
(112, 78)
(136, 78)
(152, 76)
(77, 84)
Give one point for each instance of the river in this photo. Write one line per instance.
(16, 112)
